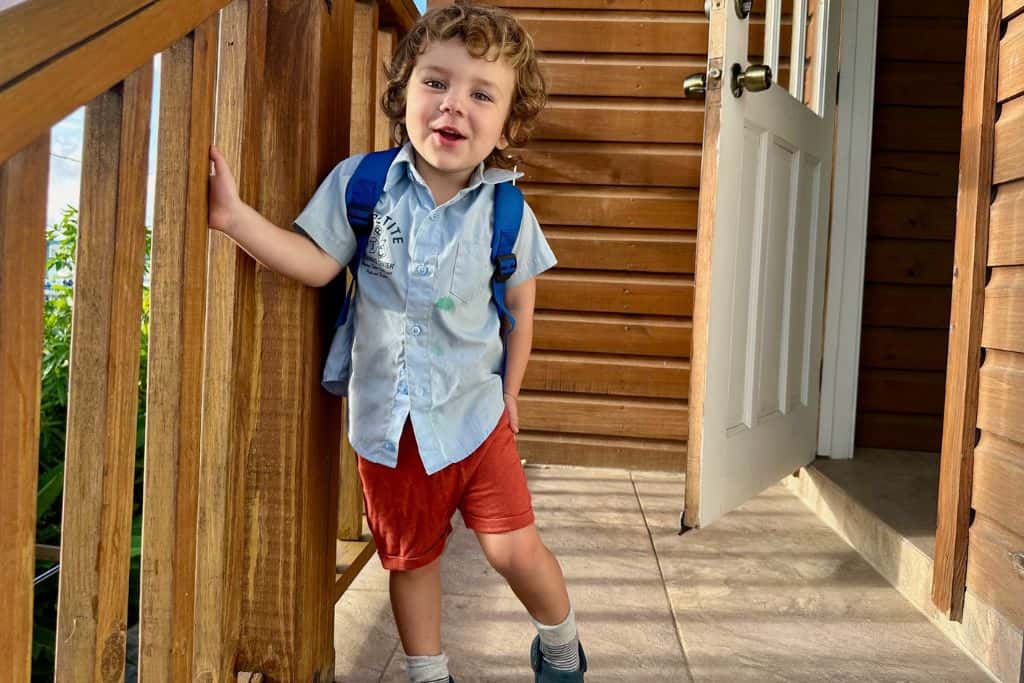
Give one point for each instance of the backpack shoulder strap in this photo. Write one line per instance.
(361, 196)
(508, 216)
(363, 192)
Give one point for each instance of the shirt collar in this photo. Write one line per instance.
(403, 165)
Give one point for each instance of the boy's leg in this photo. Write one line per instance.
(416, 604)
(532, 572)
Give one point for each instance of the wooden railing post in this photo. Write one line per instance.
(285, 430)
(363, 106)
(23, 180)
(175, 386)
(103, 394)
(387, 39)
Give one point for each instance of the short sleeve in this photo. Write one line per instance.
(533, 254)
(324, 220)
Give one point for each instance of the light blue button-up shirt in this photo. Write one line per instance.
(427, 343)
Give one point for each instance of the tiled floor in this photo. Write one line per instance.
(767, 593)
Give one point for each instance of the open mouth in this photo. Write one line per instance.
(449, 134)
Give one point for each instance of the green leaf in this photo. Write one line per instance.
(50, 486)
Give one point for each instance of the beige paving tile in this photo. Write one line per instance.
(488, 640)
(770, 593)
(591, 520)
(364, 636)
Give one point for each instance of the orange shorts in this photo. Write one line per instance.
(410, 513)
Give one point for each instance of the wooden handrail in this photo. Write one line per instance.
(60, 54)
(45, 92)
(35, 31)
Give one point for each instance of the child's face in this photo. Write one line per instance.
(456, 107)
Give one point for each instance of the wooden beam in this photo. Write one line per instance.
(229, 382)
(399, 14)
(364, 77)
(103, 393)
(352, 557)
(23, 181)
(966, 313)
(44, 93)
(174, 402)
(290, 480)
(387, 39)
(35, 31)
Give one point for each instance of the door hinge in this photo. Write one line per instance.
(838, 73)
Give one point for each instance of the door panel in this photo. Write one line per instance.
(758, 311)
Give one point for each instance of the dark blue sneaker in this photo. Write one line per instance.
(545, 674)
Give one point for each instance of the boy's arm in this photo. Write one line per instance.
(520, 301)
(283, 251)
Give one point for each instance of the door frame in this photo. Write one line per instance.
(844, 293)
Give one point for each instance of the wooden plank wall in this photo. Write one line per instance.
(995, 555)
(908, 271)
(612, 173)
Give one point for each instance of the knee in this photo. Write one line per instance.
(516, 558)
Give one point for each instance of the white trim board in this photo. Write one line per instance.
(848, 242)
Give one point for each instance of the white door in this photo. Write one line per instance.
(763, 229)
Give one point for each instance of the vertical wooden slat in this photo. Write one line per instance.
(103, 395)
(966, 313)
(364, 115)
(386, 41)
(23, 181)
(175, 360)
(288, 556)
(228, 381)
(364, 76)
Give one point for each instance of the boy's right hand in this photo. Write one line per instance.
(224, 200)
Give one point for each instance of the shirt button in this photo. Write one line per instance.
(433, 217)
(390, 447)
(422, 269)
(415, 330)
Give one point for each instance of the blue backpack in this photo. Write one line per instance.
(361, 196)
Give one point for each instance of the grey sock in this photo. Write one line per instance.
(427, 668)
(560, 644)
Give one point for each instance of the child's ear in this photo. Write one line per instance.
(512, 129)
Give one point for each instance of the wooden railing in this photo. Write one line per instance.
(242, 448)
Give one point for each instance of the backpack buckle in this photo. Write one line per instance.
(504, 267)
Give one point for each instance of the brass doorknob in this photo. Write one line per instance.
(756, 78)
(695, 85)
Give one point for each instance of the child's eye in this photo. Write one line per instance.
(483, 97)
(433, 83)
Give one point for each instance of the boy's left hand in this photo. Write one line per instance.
(513, 412)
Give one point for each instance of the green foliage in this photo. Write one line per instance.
(58, 316)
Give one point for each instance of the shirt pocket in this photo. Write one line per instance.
(471, 275)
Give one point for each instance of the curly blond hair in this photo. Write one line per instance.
(489, 33)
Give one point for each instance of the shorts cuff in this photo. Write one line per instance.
(499, 525)
(404, 564)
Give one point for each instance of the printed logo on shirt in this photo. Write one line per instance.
(379, 258)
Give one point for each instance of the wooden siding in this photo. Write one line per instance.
(612, 173)
(908, 267)
(980, 539)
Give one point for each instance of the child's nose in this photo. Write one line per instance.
(452, 103)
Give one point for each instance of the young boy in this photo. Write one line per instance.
(431, 418)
